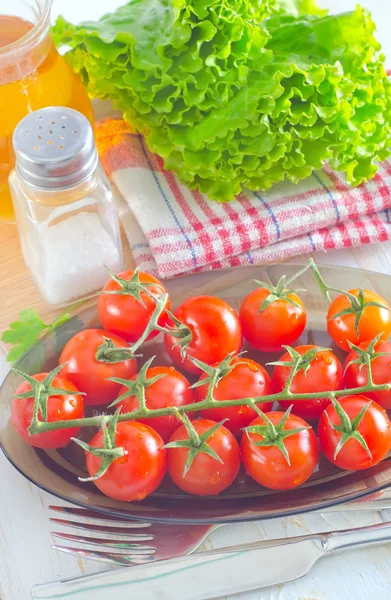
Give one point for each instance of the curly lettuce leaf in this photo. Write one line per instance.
(234, 93)
(300, 7)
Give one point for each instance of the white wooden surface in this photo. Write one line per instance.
(26, 557)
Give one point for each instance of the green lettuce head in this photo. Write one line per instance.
(241, 93)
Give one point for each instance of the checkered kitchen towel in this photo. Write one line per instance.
(177, 230)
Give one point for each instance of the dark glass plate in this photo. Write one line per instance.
(57, 471)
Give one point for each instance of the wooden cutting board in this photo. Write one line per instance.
(17, 289)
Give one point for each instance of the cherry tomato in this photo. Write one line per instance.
(59, 408)
(374, 320)
(123, 314)
(172, 389)
(356, 375)
(267, 464)
(89, 365)
(206, 476)
(324, 374)
(247, 379)
(375, 429)
(215, 331)
(280, 323)
(136, 474)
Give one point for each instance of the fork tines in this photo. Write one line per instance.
(127, 540)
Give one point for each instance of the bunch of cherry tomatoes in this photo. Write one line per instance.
(203, 454)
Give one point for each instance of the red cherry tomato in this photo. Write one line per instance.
(59, 408)
(247, 379)
(267, 464)
(172, 389)
(374, 320)
(215, 329)
(324, 374)
(375, 429)
(123, 314)
(136, 474)
(206, 476)
(356, 375)
(281, 323)
(89, 371)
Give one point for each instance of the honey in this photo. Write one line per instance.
(38, 77)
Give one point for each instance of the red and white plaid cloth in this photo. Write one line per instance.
(178, 231)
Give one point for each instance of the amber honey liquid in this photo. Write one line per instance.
(51, 83)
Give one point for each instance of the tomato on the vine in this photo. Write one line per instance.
(150, 432)
(125, 310)
(170, 389)
(358, 316)
(285, 460)
(272, 317)
(365, 438)
(91, 357)
(356, 369)
(211, 330)
(244, 378)
(207, 474)
(139, 471)
(59, 408)
(321, 371)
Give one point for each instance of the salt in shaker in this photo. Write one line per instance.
(66, 216)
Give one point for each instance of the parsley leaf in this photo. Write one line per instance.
(25, 332)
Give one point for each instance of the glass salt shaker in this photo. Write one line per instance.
(65, 212)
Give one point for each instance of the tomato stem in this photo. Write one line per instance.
(365, 357)
(137, 385)
(181, 332)
(311, 264)
(109, 453)
(130, 287)
(277, 292)
(299, 362)
(196, 444)
(215, 373)
(40, 391)
(273, 434)
(369, 368)
(325, 288)
(159, 309)
(41, 427)
(107, 352)
(349, 427)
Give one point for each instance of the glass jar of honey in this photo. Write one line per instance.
(32, 75)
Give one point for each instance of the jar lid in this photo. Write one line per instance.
(54, 148)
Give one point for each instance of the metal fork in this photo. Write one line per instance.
(139, 542)
(136, 542)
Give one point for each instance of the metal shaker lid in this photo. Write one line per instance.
(54, 148)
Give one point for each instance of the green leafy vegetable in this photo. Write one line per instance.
(301, 7)
(22, 334)
(235, 93)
